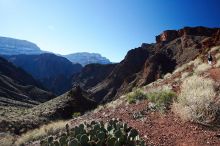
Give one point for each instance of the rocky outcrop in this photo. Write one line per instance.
(76, 101)
(64, 106)
(170, 35)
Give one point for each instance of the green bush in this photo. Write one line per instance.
(135, 96)
(161, 100)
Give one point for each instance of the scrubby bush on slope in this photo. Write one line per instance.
(217, 56)
(135, 96)
(161, 100)
(197, 101)
(158, 99)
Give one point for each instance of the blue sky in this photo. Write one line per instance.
(108, 27)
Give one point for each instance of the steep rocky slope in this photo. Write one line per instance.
(85, 58)
(19, 88)
(52, 71)
(92, 74)
(151, 61)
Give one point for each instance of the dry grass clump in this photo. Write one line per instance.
(113, 104)
(197, 62)
(217, 56)
(184, 75)
(196, 101)
(181, 68)
(202, 68)
(7, 140)
(217, 48)
(135, 96)
(97, 109)
(164, 87)
(161, 100)
(41, 132)
(167, 76)
(217, 63)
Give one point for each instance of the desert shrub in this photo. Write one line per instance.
(152, 88)
(180, 68)
(161, 100)
(112, 133)
(167, 76)
(217, 63)
(135, 96)
(76, 114)
(202, 68)
(184, 75)
(217, 56)
(197, 61)
(7, 140)
(196, 100)
(217, 48)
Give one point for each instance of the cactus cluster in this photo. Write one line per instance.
(112, 133)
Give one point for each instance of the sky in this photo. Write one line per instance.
(108, 27)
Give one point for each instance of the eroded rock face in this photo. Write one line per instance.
(170, 35)
(92, 74)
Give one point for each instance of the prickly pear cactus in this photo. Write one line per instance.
(112, 133)
(73, 142)
(84, 139)
(56, 143)
(50, 140)
(133, 133)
